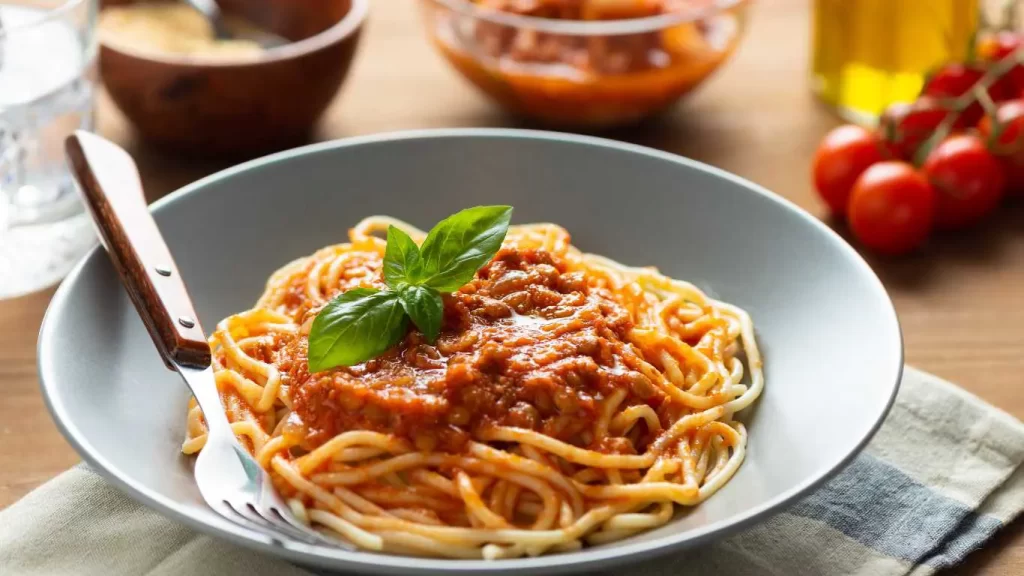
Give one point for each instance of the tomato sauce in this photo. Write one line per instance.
(590, 80)
(527, 343)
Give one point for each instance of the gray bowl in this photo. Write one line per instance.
(831, 341)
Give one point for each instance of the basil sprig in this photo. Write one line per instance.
(362, 323)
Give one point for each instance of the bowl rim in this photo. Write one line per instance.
(337, 32)
(334, 558)
(589, 27)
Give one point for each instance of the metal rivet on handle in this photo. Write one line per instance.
(163, 270)
(186, 322)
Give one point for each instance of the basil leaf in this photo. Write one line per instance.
(354, 327)
(425, 307)
(401, 258)
(460, 244)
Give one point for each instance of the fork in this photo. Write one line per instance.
(229, 479)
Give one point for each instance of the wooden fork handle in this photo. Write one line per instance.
(109, 183)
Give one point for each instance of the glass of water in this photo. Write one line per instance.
(47, 86)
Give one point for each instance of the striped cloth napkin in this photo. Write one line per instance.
(938, 480)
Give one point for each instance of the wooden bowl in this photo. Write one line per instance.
(239, 108)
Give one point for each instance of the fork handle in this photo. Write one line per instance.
(109, 183)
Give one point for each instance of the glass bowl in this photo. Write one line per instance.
(586, 73)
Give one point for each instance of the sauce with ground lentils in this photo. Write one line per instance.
(527, 344)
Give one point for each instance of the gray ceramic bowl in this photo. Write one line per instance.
(830, 337)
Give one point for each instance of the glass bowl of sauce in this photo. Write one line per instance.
(585, 63)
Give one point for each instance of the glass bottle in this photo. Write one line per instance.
(867, 54)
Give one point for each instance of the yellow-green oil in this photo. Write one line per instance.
(867, 54)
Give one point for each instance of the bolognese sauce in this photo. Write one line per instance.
(526, 344)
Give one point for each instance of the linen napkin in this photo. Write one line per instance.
(942, 475)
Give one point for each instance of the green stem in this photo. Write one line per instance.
(985, 99)
(962, 102)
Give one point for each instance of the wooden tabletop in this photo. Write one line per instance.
(961, 302)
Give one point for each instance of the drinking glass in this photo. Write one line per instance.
(47, 87)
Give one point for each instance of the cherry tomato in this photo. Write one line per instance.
(1009, 146)
(906, 126)
(891, 207)
(997, 46)
(967, 178)
(842, 156)
(951, 81)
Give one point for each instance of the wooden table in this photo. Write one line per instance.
(961, 302)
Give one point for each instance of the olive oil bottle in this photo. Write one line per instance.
(867, 54)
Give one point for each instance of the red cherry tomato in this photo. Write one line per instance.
(998, 46)
(995, 47)
(1009, 146)
(842, 156)
(891, 208)
(906, 126)
(951, 81)
(967, 178)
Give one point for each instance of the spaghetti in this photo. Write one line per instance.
(569, 400)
